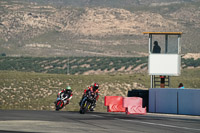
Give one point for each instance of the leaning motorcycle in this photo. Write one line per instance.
(60, 102)
(86, 104)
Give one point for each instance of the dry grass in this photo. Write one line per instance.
(35, 91)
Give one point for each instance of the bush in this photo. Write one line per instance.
(3, 54)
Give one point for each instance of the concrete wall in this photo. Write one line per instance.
(174, 101)
(189, 101)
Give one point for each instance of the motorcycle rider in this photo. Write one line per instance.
(67, 94)
(92, 90)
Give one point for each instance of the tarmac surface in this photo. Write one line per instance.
(26, 121)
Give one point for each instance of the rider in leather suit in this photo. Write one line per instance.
(67, 94)
(92, 90)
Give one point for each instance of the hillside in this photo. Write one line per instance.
(93, 28)
(25, 90)
(37, 91)
(112, 3)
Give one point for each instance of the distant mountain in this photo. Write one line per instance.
(112, 3)
(94, 27)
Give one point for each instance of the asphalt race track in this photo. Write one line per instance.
(72, 122)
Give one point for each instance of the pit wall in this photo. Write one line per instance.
(174, 101)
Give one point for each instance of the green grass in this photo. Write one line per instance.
(37, 91)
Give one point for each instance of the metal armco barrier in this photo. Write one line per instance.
(130, 105)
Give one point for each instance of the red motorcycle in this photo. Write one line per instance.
(61, 102)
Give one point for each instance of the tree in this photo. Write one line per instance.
(3, 54)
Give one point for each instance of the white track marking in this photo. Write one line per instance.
(97, 116)
(157, 124)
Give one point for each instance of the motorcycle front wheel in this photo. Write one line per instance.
(59, 105)
(84, 109)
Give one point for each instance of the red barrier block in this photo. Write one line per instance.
(114, 103)
(133, 105)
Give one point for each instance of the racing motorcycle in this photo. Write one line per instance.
(87, 103)
(61, 101)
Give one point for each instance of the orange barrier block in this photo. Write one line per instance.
(114, 103)
(133, 105)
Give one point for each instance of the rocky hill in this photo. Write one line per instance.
(93, 28)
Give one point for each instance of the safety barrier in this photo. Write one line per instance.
(144, 94)
(130, 105)
(174, 101)
(133, 105)
(114, 103)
